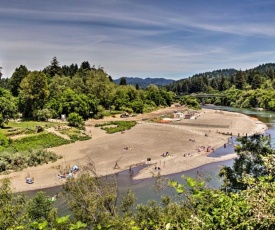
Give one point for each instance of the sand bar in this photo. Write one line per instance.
(146, 140)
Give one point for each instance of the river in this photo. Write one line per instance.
(144, 189)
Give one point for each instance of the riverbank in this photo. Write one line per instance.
(145, 143)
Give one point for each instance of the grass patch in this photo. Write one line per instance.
(107, 113)
(119, 126)
(75, 134)
(24, 127)
(30, 149)
(43, 140)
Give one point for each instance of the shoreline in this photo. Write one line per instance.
(145, 140)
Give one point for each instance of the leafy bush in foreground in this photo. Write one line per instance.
(118, 126)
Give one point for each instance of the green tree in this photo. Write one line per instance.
(224, 84)
(240, 80)
(34, 93)
(91, 198)
(43, 114)
(12, 207)
(190, 101)
(14, 82)
(137, 106)
(250, 162)
(75, 120)
(153, 94)
(54, 68)
(40, 207)
(85, 65)
(256, 81)
(8, 106)
(58, 85)
(123, 81)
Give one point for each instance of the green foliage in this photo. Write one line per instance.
(8, 106)
(99, 112)
(190, 101)
(91, 199)
(44, 140)
(117, 126)
(14, 82)
(39, 207)
(76, 137)
(123, 81)
(12, 207)
(75, 120)
(250, 151)
(137, 106)
(42, 114)
(37, 213)
(34, 93)
(19, 160)
(3, 140)
(127, 201)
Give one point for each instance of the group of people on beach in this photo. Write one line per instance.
(29, 180)
(202, 148)
(167, 154)
(72, 171)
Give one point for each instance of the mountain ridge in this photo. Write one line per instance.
(144, 82)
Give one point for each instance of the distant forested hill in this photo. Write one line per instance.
(220, 80)
(143, 83)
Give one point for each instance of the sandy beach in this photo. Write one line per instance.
(146, 141)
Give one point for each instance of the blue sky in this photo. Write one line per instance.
(143, 38)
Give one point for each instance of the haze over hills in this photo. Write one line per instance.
(143, 83)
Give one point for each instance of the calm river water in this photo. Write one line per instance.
(145, 189)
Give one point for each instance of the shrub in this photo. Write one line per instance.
(39, 207)
(19, 160)
(3, 140)
(75, 120)
(119, 126)
(43, 114)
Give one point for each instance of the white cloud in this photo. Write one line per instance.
(134, 38)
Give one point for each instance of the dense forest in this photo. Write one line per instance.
(85, 91)
(247, 89)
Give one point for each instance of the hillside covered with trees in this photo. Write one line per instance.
(143, 83)
(85, 90)
(246, 89)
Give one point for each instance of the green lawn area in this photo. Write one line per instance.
(14, 128)
(29, 146)
(43, 140)
(30, 139)
(116, 126)
(75, 134)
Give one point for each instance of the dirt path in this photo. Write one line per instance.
(52, 130)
